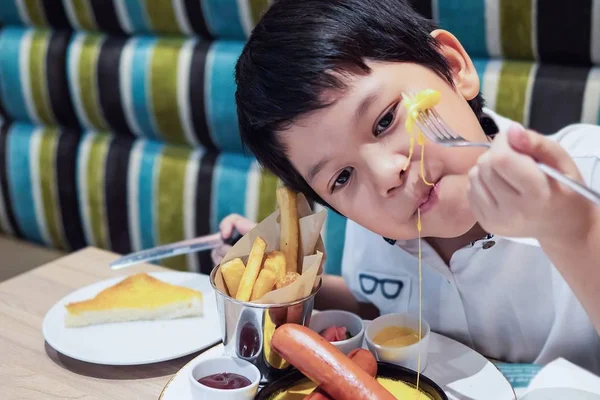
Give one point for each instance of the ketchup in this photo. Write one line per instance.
(225, 380)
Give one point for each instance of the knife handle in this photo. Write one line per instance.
(234, 238)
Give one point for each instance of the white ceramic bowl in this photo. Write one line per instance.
(406, 356)
(324, 319)
(219, 365)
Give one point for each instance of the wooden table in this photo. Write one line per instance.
(31, 369)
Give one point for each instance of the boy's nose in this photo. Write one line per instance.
(388, 174)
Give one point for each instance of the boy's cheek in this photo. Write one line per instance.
(459, 161)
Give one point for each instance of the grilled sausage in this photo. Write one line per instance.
(361, 357)
(325, 365)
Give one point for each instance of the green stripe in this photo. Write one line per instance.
(163, 81)
(37, 74)
(83, 13)
(267, 201)
(88, 83)
(162, 16)
(170, 191)
(95, 189)
(35, 11)
(512, 89)
(516, 29)
(257, 8)
(49, 184)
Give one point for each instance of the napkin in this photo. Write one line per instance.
(561, 373)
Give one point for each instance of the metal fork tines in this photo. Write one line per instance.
(435, 129)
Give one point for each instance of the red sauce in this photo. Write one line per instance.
(225, 380)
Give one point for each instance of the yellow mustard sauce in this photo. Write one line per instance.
(400, 390)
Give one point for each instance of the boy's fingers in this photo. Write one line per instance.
(244, 225)
(218, 253)
(539, 148)
(480, 192)
(227, 224)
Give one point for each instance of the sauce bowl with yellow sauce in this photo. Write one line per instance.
(394, 338)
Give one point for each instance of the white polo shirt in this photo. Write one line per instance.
(500, 296)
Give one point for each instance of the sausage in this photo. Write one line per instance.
(361, 357)
(324, 364)
(365, 360)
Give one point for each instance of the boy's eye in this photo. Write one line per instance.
(385, 122)
(341, 179)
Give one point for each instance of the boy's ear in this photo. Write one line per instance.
(463, 71)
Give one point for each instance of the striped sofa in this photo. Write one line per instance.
(118, 120)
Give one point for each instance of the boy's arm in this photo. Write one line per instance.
(578, 260)
(511, 197)
(335, 294)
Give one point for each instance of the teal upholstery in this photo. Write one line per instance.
(118, 123)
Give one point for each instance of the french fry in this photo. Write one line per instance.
(286, 199)
(289, 278)
(264, 284)
(275, 261)
(232, 272)
(252, 269)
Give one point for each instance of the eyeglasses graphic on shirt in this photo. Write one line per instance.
(390, 288)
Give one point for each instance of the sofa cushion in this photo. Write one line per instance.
(66, 190)
(544, 30)
(229, 19)
(544, 97)
(168, 89)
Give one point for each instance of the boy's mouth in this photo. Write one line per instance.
(430, 199)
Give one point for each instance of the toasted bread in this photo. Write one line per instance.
(138, 297)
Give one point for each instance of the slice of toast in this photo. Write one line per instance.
(136, 298)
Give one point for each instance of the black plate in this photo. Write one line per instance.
(384, 370)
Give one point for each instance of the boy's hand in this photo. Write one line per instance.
(510, 196)
(243, 226)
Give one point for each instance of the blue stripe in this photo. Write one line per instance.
(10, 73)
(222, 115)
(9, 13)
(223, 18)
(480, 66)
(466, 20)
(140, 69)
(335, 234)
(19, 181)
(146, 196)
(136, 14)
(230, 181)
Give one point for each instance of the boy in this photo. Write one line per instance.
(319, 104)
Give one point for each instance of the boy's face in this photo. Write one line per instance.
(352, 154)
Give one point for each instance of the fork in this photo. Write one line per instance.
(436, 130)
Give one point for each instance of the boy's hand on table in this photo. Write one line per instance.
(510, 196)
(243, 226)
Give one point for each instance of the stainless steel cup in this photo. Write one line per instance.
(247, 328)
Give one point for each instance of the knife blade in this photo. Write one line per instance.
(203, 243)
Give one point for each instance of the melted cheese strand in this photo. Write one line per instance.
(421, 141)
(422, 101)
(420, 300)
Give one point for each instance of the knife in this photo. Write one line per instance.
(203, 243)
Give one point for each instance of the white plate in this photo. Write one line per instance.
(140, 342)
(463, 373)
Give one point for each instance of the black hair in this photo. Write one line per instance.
(301, 48)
